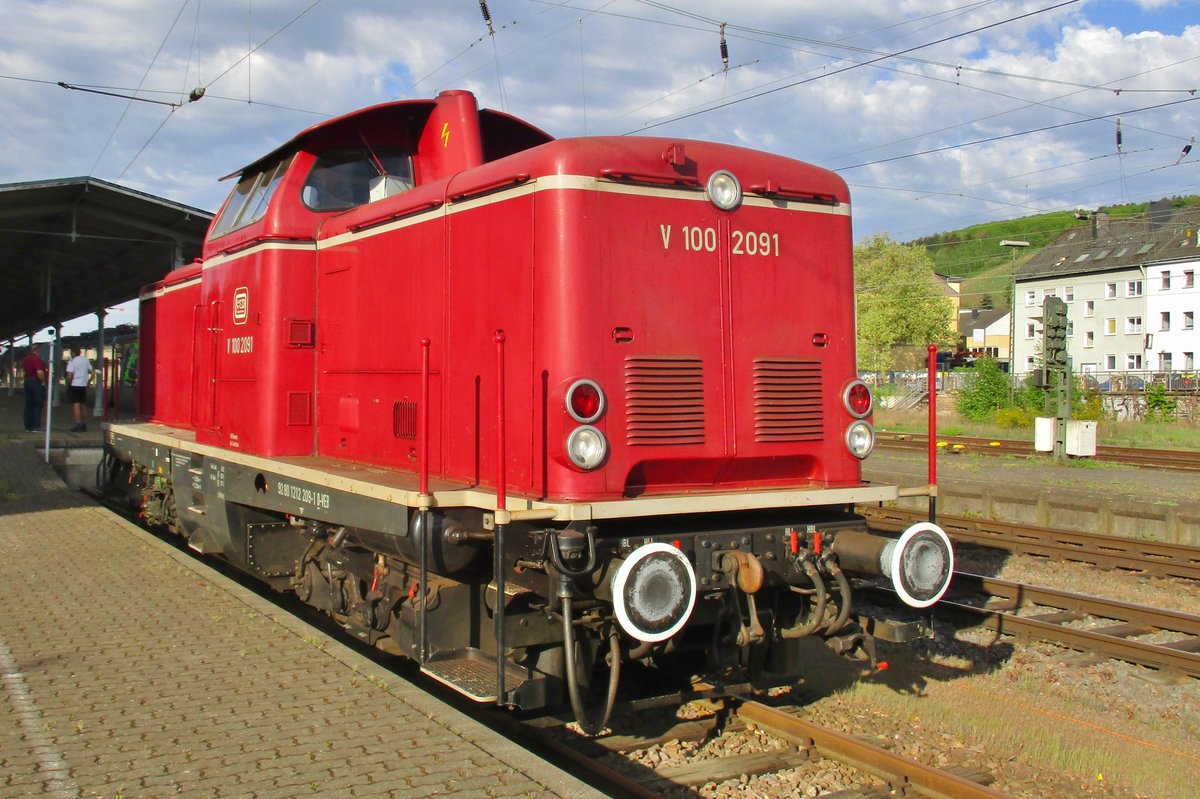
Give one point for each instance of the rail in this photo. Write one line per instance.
(1181, 460)
(1111, 552)
(896, 770)
(995, 605)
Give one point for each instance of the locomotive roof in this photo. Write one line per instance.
(418, 112)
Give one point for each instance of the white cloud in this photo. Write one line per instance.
(618, 67)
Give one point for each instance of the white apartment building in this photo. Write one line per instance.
(1131, 294)
(1172, 304)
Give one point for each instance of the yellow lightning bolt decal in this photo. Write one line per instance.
(445, 134)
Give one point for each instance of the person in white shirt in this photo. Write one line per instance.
(79, 369)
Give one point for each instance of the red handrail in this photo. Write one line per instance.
(501, 477)
(424, 441)
(932, 432)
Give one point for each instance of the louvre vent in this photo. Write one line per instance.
(404, 419)
(664, 401)
(299, 408)
(787, 400)
(300, 332)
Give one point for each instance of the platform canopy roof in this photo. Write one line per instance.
(73, 246)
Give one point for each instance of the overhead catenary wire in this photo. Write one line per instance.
(1042, 129)
(734, 35)
(487, 19)
(134, 96)
(1028, 104)
(884, 57)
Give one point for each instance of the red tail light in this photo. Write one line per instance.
(585, 401)
(858, 399)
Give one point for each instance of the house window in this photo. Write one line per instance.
(1133, 288)
(1029, 332)
(1089, 308)
(1133, 324)
(1164, 362)
(1110, 362)
(1069, 294)
(1030, 299)
(1189, 278)
(1110, 326)
(1165, 322)
(1070, 328)
(1030, 364)
(1189, 320)
(1189, 361)
(1048, 293)
(1133, 361)
(1110, 291)
(1089, 339)
(1166, 280)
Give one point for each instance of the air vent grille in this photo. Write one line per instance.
(404, 419)
(299, 408)
(664, 401)
(787, 400)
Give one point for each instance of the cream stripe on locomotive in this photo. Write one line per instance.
(160, 292)
(385, 485)
(545, 183)
(577, 183)
(264, 246)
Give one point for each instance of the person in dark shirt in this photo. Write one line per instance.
(35, 390)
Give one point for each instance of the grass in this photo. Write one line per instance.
(1150, 435)
(1051, 728)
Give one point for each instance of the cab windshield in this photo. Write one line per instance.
(345, 178)
(250, 198)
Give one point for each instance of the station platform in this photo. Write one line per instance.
(128, 669)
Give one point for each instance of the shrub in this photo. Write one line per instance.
(985, 390)
(1088, 405)
(1159, 406)
(1015, 417)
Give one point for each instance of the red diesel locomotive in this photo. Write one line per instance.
(526, 409)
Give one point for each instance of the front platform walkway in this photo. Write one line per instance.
(129, 670)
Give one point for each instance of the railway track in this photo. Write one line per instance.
(884, 773)
(1110, 552)
(1153, 637)
(901, 775)
(1180, 460)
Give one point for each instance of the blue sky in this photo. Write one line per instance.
(1012, 111)
(1128, 16)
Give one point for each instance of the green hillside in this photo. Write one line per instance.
(974, 253)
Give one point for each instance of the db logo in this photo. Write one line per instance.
(241, 305)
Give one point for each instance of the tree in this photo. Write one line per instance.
(898, 302)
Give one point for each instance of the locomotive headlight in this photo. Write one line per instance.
(860, 439)
(586, 447)
(724, 190)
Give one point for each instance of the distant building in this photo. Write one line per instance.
(985, 332)
(1130, 290)
(950, 287)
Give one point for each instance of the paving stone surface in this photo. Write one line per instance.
(128, 670)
